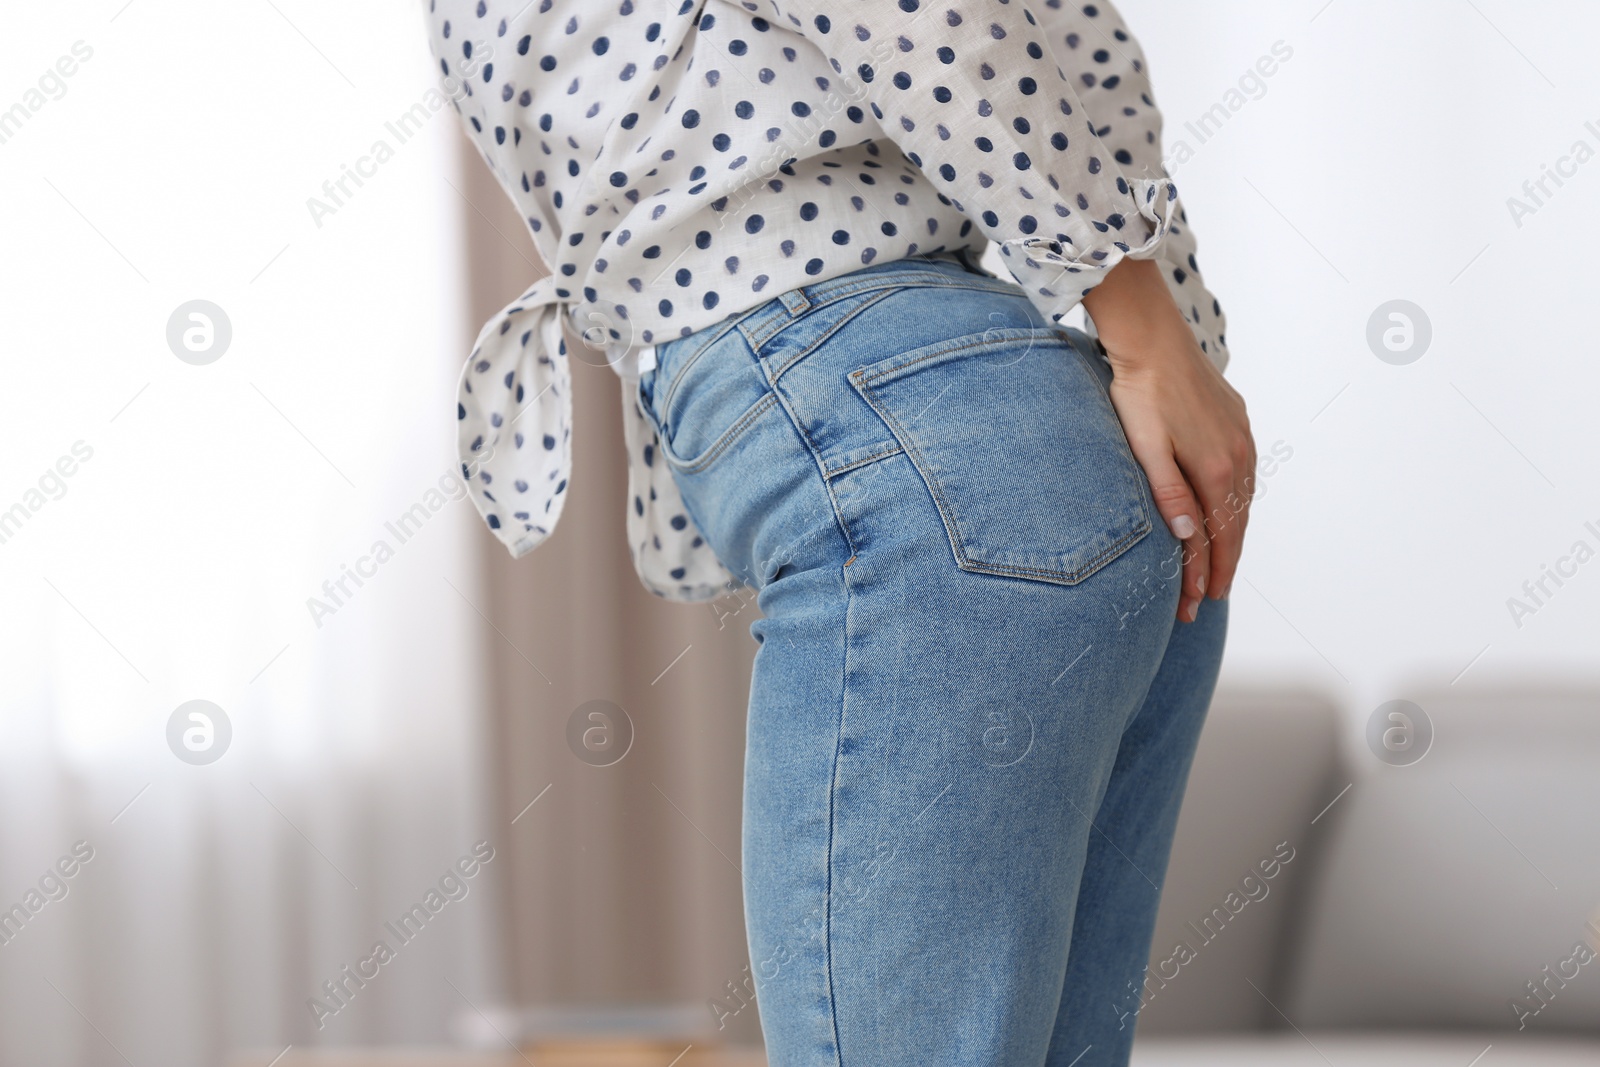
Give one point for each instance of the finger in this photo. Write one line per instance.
(1175, 501)
(1243, 502)
(1196, 576)
(1224, 524)
(1244, 497)
(1231, 519)
(1245, 486)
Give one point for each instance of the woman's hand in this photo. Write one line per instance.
(1185, 424)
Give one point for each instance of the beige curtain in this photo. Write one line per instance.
(622, 881)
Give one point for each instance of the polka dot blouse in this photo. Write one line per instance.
(678, 161)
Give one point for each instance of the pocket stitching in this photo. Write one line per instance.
(724, 442)
(690, 361)
(908, 443)
(777, 372)
(1004, 333)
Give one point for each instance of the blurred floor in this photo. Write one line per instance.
(620, 1056)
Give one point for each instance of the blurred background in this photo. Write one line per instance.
(1400, 221)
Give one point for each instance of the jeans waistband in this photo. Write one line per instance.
(959, 267)
(939, 268)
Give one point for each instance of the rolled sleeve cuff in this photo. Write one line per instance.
(1057, 275)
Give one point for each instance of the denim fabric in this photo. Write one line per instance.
(972, 712)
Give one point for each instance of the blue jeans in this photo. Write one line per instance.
(972, 712)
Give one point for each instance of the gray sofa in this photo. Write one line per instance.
(1446, 912)
(1326, 909)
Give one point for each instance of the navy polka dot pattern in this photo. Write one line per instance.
(680, 161)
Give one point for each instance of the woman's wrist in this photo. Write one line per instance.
(1135, 316)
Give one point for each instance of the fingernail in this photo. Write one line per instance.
(1183, 527)
(1194, 611)
(1201, 585)
(1226, 590)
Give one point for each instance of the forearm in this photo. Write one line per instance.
(1134, 313)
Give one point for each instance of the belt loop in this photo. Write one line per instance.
(795, 300)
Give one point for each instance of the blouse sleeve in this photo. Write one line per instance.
(979, 98)
(1115, 80)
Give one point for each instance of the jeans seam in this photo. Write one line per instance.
(827, 335)
(775, 319)
(845, 468)
(838, 735)
(823, 293)
(985, 338)
(689, 361)
(833, 803)
(726, 441)
(816, 459)
(780, 319)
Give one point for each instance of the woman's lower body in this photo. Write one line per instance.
(973, 712)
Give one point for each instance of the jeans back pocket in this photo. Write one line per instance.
(1017, 441)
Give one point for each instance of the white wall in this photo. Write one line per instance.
(1376, 165)
(176, 561)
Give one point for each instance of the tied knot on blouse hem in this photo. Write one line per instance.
(514, 442)
(514, 419)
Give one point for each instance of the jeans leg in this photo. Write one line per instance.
(925, 746)
(1127, 855)
(928, 742)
